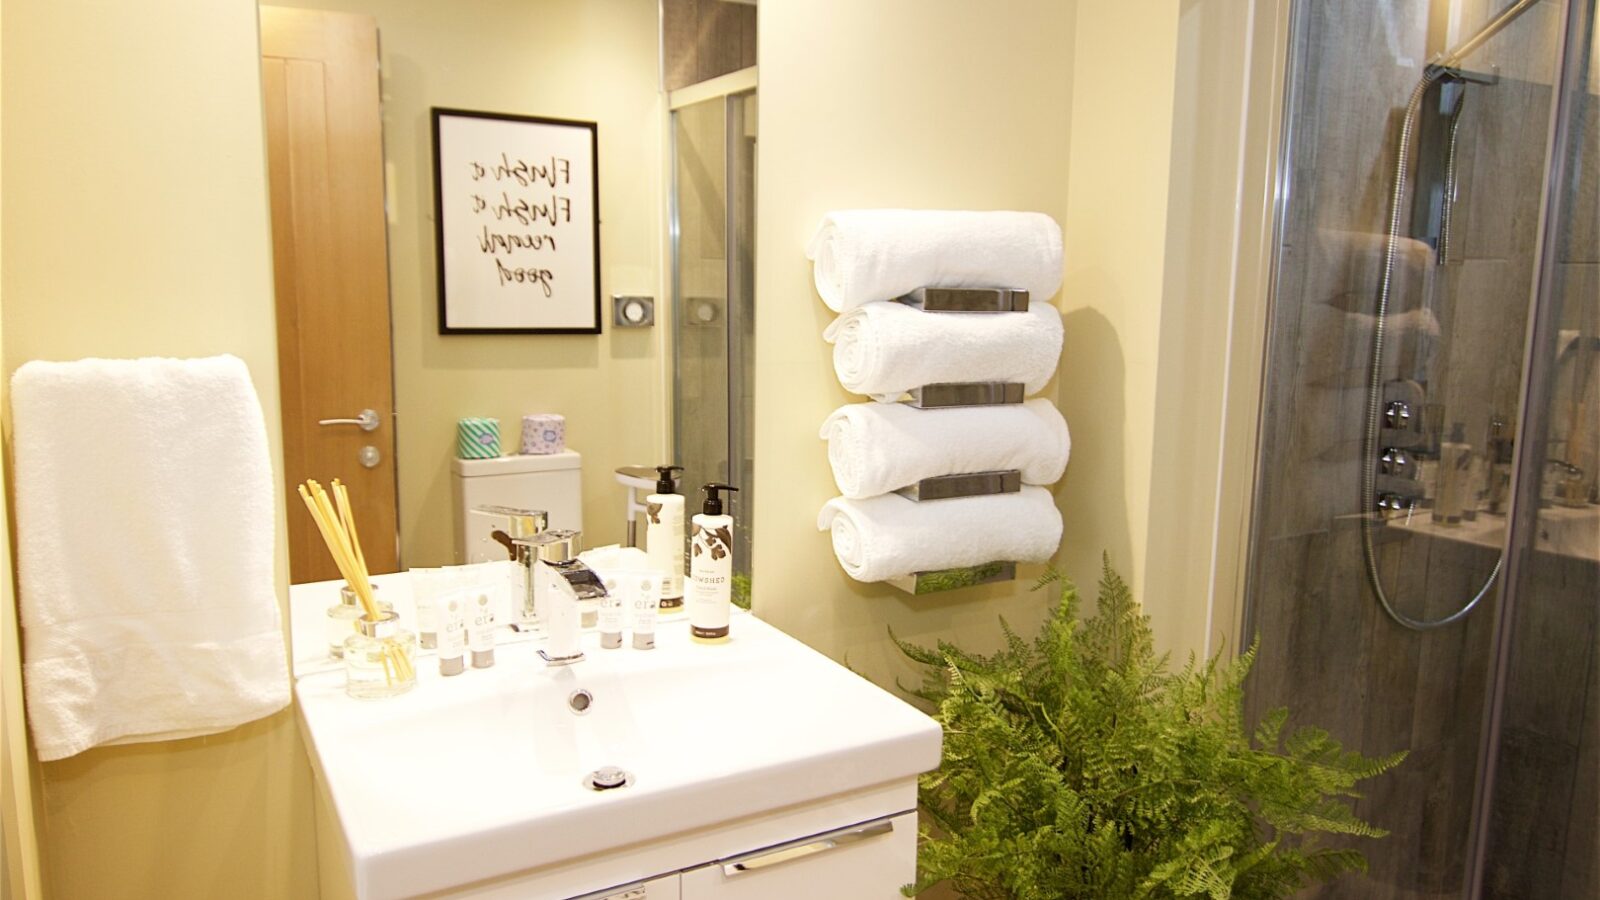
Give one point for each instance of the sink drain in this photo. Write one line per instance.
(579, 701)
(607, 778)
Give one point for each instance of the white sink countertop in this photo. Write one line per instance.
(479, 775)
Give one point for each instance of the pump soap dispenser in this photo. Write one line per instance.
(663, 536)
(711, 568)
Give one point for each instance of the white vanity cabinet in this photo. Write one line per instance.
(755, 769)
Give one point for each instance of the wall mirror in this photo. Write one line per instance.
(373, 391)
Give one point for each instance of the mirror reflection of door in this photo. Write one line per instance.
(714, 302)
(325, 167)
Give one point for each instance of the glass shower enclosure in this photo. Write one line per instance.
(713, 303)
(1424, 569)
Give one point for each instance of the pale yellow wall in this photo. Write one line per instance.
(593, 60)
(135, 217)
(921, 103)
(1122, 120)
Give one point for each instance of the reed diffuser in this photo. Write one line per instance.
(378, 654)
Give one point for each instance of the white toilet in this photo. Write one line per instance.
(550, 482)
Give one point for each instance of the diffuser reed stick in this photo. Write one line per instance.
(338, 529)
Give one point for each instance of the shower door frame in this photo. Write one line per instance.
(1539, 362)
(729, 88)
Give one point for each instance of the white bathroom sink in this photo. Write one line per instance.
(480, 775)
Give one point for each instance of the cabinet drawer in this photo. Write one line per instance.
(869, 861)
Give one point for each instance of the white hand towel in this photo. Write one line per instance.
(876, 448)
(889, 536)
(863, 255)
(885, 349)
(144, 551)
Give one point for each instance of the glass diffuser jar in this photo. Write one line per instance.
(342, 616)
(380, 658)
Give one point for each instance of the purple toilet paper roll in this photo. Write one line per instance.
(544, 433)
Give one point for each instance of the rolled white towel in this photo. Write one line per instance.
(863, 255)
(889, 536)
(876, 448)
(885, 349)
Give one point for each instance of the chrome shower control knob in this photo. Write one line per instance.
(1396, 461)
(1397, 414)
(1394, 503)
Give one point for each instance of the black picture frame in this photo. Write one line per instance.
(439, 113)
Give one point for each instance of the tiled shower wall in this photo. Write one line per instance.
(1326, 649)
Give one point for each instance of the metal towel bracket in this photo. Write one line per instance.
(932, 582)
(965, 393)
(929, 299)
(975, 484)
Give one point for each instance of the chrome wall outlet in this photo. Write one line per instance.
(632, 312)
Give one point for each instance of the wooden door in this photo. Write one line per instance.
(325, 164)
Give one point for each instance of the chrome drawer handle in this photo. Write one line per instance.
(810, 848)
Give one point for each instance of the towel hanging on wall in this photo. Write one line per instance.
(889, 536)
(863, 255)
(876, 448)
(884, 349)
(145, 530)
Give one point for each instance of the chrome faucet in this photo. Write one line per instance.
(556, 582)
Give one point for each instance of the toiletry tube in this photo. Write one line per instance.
(543, 434)
(480, 633)
(611, 613)
(644, 596)
(478, 438)
(428, 586)
(452, 634)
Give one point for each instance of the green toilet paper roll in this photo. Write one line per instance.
(478, 438)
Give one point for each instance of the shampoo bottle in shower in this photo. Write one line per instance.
(663, 536)
(710, 590)
(1455, 477)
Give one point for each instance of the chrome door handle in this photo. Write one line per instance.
(811, 847)
(367, 421)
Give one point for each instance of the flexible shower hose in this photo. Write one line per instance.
(1369, 437)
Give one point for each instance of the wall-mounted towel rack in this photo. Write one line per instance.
(966, 393)
(975, 484)
(930, 299)
(951, 579)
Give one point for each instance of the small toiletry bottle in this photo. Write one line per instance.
(663, 535)
(480, 633)
(428, 587)
(452, 634)
(379, 658)
(611, 613)
(1455, 477)
(645, 597)
(342, 618)
(710, 591)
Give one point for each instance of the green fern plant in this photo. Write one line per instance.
(1079, 766)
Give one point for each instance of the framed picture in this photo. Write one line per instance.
(517, 223)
